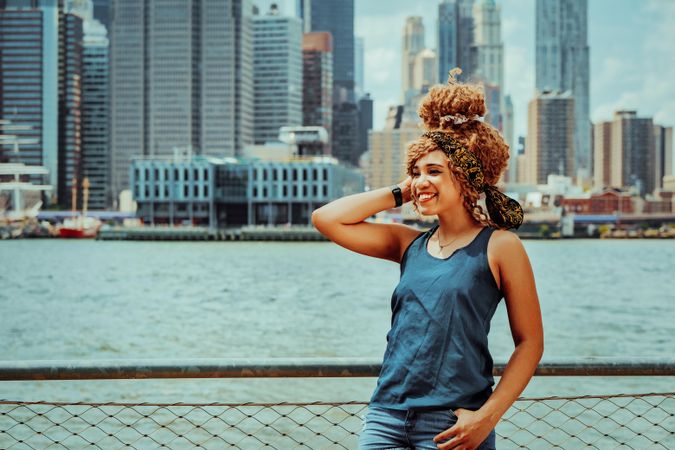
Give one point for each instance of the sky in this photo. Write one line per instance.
(632, 53)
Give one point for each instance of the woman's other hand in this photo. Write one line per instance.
(470, 430)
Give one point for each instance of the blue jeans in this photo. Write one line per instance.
(393, 429)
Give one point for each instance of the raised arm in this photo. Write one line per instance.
(343, 222)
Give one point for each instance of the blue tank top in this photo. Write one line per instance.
(437, 354)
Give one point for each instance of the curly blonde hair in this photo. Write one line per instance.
(479, 137)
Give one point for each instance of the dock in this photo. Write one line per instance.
(249, 233)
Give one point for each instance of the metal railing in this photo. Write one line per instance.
(639, 420)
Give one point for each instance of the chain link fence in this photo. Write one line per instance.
(623, 421)
(619, 421)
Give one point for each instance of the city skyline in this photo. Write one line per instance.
(630, 54)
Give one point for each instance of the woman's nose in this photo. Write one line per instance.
(421, 180)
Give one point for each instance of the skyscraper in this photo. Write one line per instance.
(489, 49)
(413, 43)
(95, 105)
(489, 57)
(359, 66)
(508, 123)
(455, 38)
(562, 65)
(602, 156)
(337, 17)
(181, 77)
(365, 122)
(40, 87)
(317, 80)
(70, 110)
(277, 74)
(29, 86)
(550, 133)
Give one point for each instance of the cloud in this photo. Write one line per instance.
(644, 82)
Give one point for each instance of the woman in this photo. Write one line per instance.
(435, 386)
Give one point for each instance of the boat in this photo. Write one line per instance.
(80, 226)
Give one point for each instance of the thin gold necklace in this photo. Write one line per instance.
(439, 240)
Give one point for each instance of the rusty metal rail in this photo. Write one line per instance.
(291, 368)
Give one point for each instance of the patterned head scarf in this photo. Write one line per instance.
(504, 211)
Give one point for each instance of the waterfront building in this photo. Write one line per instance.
(550, 137)
(277, 74)
(455, 38)
(180, 77)
(317, 81)
(609, 201)
(228, 192)
(562, 64)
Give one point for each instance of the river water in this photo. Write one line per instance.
(87, 300)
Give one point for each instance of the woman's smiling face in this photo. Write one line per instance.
(434, 188)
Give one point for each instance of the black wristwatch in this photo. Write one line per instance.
(398, 195)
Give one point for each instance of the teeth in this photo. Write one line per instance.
(426, 196)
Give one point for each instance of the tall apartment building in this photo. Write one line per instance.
(455, 38)
(277, 74)
(413, 44)
(627, 153)
(602, 155)
(562, 65)
(550, 137)
(181, 77)
(317, 81)
(40, 88)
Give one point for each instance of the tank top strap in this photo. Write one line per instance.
(483, 238)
